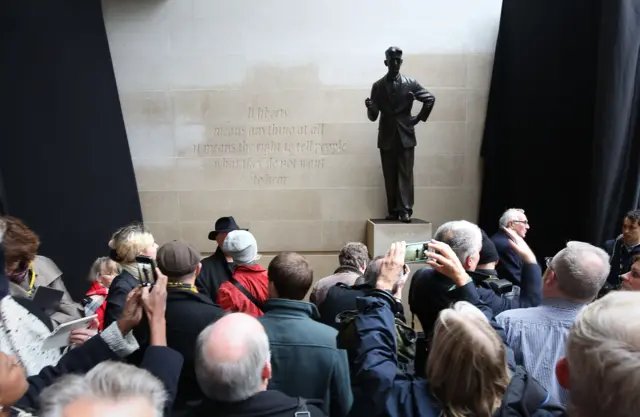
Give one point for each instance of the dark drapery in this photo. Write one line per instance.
(549, 146)
(64, 155)
(4, 207)
(616, 168)
(539, 124)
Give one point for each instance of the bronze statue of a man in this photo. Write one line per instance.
(392, 96)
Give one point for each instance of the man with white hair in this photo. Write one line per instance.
(510, 265)
(233, 368)
(601, 368)
(110, 389)
(538, 335)
(430, 292)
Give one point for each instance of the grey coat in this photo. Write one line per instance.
(48, 275)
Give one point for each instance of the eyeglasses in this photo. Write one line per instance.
(522, 221)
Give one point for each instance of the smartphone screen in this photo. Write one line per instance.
(149, 273)
(416, 252)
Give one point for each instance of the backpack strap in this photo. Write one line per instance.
(302, 410)
(246, 293)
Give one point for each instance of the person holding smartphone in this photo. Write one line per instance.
(127, 244)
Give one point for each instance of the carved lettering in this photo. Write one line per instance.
(265, 113)
(266, 180)
(268, 149)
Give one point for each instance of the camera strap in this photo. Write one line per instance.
(302, 410)
(246, 293)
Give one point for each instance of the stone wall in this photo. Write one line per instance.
(255, 108)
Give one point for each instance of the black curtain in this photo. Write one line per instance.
(64, 155)
(545, 146)
(616, 173)
(4, 207)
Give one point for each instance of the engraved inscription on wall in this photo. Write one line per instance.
(268, 149)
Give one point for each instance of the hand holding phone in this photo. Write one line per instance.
(149, 275)
(416, 252)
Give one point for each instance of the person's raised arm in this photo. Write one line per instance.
(531, 274)
(375, 365)
(113, 343)
(445, 261)
(161, 361)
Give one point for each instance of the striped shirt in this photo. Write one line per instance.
(538, 336)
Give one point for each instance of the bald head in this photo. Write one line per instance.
(232, 358)
(231, 336)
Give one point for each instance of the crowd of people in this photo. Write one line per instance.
(492, 330)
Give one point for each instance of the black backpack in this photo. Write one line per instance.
(406, 337)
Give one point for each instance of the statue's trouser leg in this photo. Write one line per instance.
(389, 160)
(405, 157)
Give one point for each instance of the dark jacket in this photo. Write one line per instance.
(304, 357)
(385, 392)
(621, 260)
(120, 287)
(510, 264)
(161, 361)
(431, 292)
(341, 297)
(395, 110)
(263, 404)
(215, 271)
(187, 314)
(480, 275)
(530, 292)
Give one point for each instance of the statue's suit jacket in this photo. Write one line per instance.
(395, 110)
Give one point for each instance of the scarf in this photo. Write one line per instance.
(22, 335)
(182, 286)
(19, 277)
(137, 270)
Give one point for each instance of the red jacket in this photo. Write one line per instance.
(254, 278)
(97, 292)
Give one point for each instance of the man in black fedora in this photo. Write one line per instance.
(215, 268)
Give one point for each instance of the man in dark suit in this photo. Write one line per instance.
(392, 96)
(510, 265)
(188, 313)
(215, 268)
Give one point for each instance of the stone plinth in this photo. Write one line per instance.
(382, 233)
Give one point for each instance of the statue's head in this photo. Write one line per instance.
(393, 59)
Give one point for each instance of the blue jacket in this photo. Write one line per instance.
(382, 391)
(510, 265)
(305, 360)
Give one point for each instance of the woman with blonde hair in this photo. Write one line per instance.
(467, 369)
(468, 374)
(126, 245)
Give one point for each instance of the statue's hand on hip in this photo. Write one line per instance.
(414, 120)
